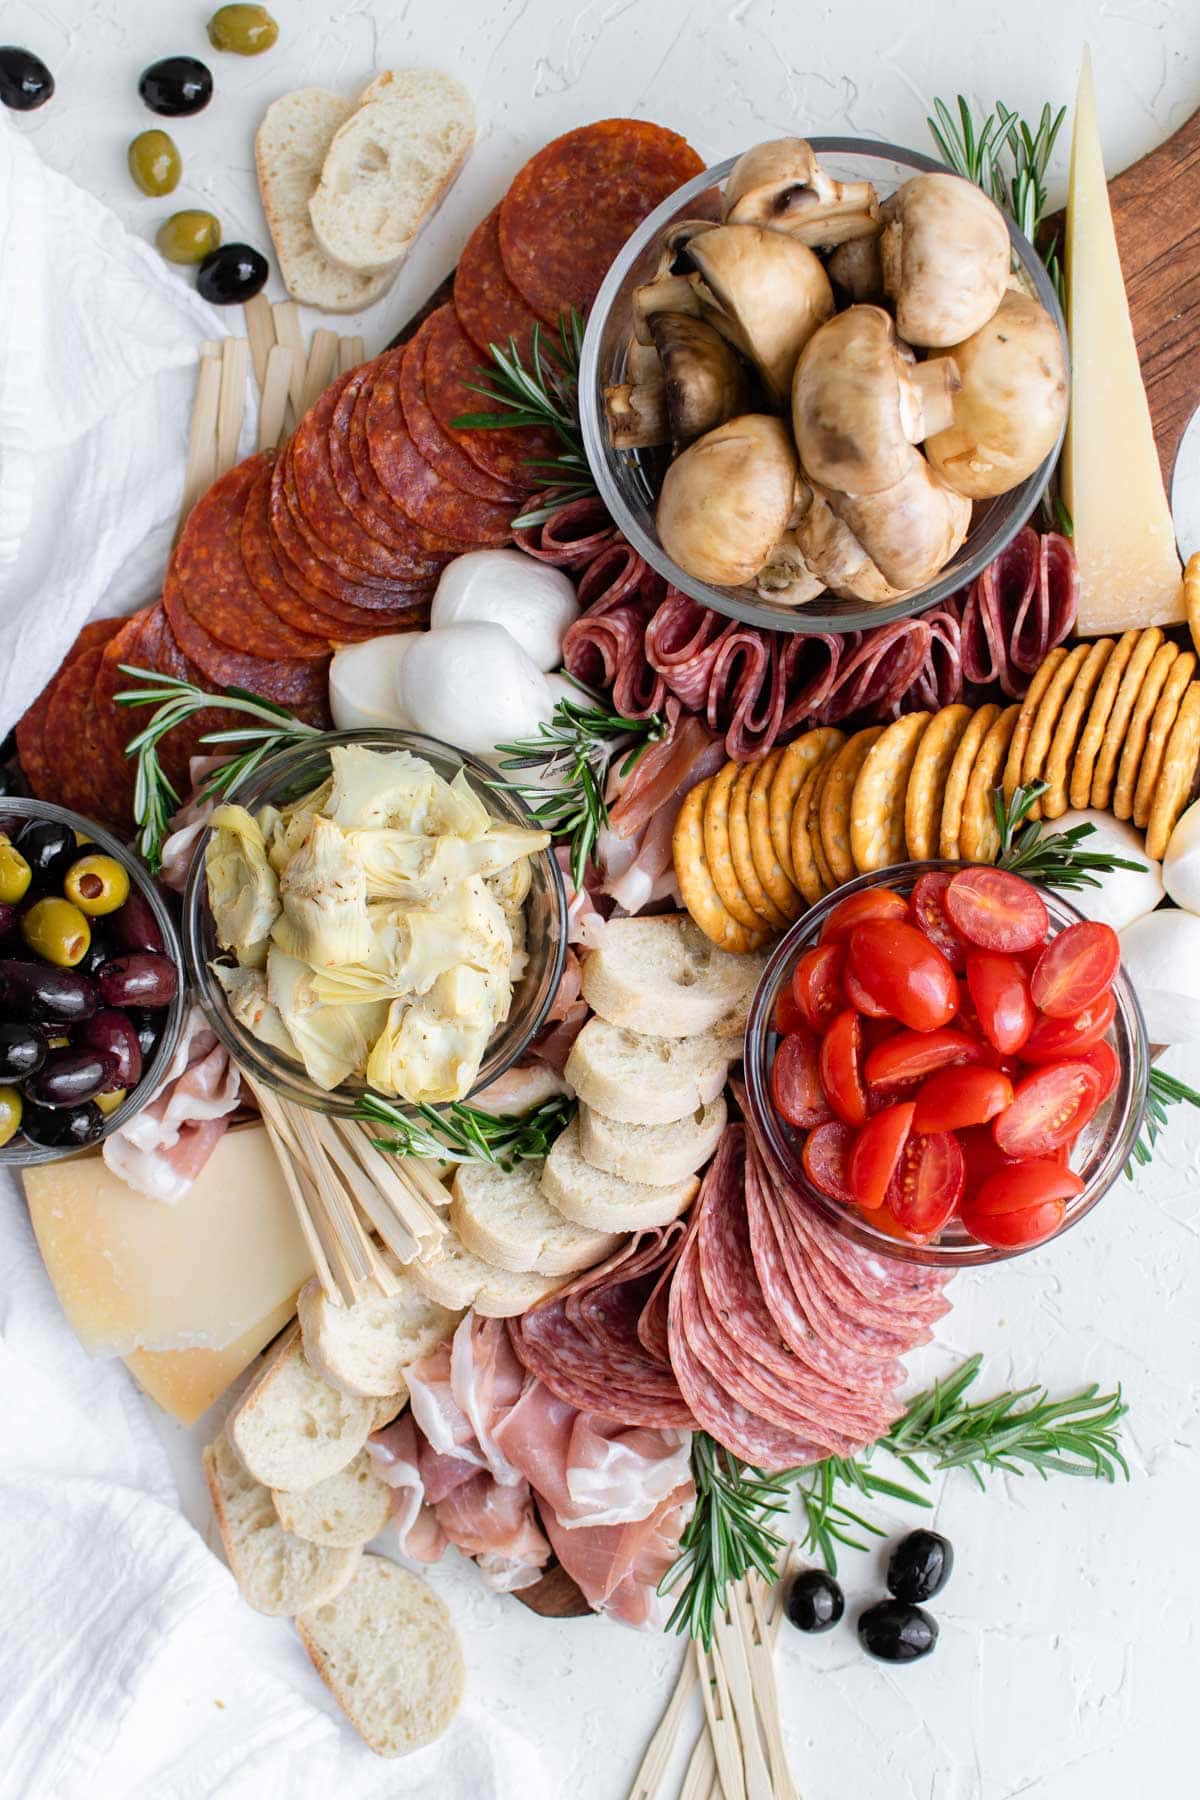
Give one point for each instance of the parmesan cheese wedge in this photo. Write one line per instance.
(1124, 538)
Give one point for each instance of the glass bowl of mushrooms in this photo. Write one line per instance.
(823, 385)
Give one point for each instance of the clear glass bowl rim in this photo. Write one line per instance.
(1128, 1101)
(803, 621)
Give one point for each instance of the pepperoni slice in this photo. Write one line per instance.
(295, 547)
(438, 446)
(453, 371)
(298, 685)
(489, 307)
(415, 486)
(32, 749)
(381, 501)
(389, 526)
(295, 601)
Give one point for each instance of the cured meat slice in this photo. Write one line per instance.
(416, 487)
(571, 208)
(76, 780)
(289, 596)
(32, 749)
(939, 681)
(885, 664)
(369, 581)
(808, 666)
(296, 548)
(572, 535)
(683, 642)
(300, 686)
(453, 371)
(489, 308)
(439, 444)
(746, 694)
(356, 481)
(135, 643)
(394, 518)
(619, 1567)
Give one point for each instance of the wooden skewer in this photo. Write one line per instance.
(260, 330)
(363, 1197)
(202, 440)
(235, 358)
(718, 1710)
(730, 1644)
(393, 1186)
(701, 1781)
(352, 1239)
(351, 351)
(288, 333)
(322, 361)
(276, 387)
(653, 1767)
(283, 1149)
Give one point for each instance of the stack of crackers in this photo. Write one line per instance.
(1110, 724)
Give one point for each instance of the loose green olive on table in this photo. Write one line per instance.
(244, 30)
(188, 237)
(155, 162)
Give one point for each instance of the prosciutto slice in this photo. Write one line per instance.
(162, 1149)
(494, 1522)
(414, 1525)
(619, 1567)
(589, 1470)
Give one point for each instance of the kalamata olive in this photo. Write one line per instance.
(48, 848)
(134, 926)
(154, 162)
(25, 81)
(232, 274)
(42, 994)
(815, 1601)
(114, 1034)
(22, 1051)
(176, 86)
(63, 1126)
(920, 1566)
(8, 918)
(139, 980)
(11, 1108)
(188, 237)
(148, 1027)
(15, 873)
(55, 929)
(245, 30)
(69, 1077)
(896, 1632)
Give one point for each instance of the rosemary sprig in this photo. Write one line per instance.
(726, 1536)
(574, 752)
(1162, 1092)
(1007, 158)
(463, 1134)
(1051, 857)
(545, 394)
(155, 798)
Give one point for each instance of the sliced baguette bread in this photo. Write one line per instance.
(291, 1428)
(659, 1154)
(342, 1512)
(364, 1349)
(606, 1202)
(389, 166)
(387, 1650)
(290, 148)
(504, 1218)
(664, 977)
(644, 1080)
(389, 1408)
(277, 1572)
(454, 1277)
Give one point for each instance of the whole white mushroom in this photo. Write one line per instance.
(534, 602)
(363, 683)
(473, 685)
(1124, 894)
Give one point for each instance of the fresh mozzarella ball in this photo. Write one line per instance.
(534, 602)
(1124, 894)
(362, 683)
(1181, 864)
(473, 686)
(1161, 953)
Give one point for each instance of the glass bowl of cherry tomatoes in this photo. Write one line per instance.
(948, 1062)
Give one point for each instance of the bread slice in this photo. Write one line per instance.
(606, 1202)
(364, 1349)
(504, 1218)
(663, 976)
(659, 1154)
(277, 1572)
(290, 148)
(389, 166)
(454, 1277)
(644, 1080)
(291, 1428)
(387, 1650)
(389, 1407)
(342, 1512)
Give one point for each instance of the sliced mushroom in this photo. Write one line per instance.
(766, 292)
(946, 258)
(636, 414)
(1012, 402)
(695, 383)
(857, 268)
(728, 499)
(782, 185)
(673, 288)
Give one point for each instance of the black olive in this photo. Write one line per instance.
(22, 1051)
(25, 81)
(815, 1602)
(8, 917)
(49, 848)
(176, 86)
(39, 994)
(896, 1632)
(232, 274)
(147, 1026)
(63, 1126)
(920, 1566)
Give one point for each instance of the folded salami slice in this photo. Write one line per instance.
(746, 693)
(571, 536)
(489, 308)
(683, 642)
(883, 666)
(808, 668)
(437, 444)
(1058, 576)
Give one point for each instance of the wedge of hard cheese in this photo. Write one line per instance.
(186, 1383)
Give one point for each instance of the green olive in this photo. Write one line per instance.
(10, 1114)
(57, 931)
(188, 237)
(154, 162)
(15, 873)
(246, 30)
(108, 1103)
(97, 885)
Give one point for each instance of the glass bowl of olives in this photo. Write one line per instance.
(92, 994)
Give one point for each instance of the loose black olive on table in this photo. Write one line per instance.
(895, 1632)
(25, 81)
(177, 86)
(815, 1602)
(63, 1127)
(232, 275)
(920, 1566)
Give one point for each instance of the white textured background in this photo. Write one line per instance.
(1067, 1663)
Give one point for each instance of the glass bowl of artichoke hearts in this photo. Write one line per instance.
(370, 914)
(823, 384)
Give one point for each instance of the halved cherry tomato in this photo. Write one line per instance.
(856, 909)
(1000, 993)
(788, 1016)
(826, 1156)
(904, 972)
(911, 1055)
(796, 1082)
(817, 985)
(1049, 1108)
(877, 1031)
(1104, 1059)
(861, 997)
(1023, 1204)
(984, 1156)
(928, 1182)
(996, 910)
(954, 1098)
(841, 1068)
(876, 1152)
(1052, 1039)
(1075, 968)
(928, 903)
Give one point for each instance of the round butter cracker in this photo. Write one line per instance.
(1118, 719)
(877, 805)
(1174, 786)
(799, 758)
(957, 777)
(927, 780)
(1070, 723)
(1180, 674)
(1045, 720)
(808, 876)
(743, 855)
(771, 873)
(717, 850)
(1042, 677)
(1191, 595)
(1138, 730)
(979, 835)
(836, 799)
(1092, 735)
(695, 880)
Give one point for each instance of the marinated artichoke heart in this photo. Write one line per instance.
(323, 890)
(250, 1004)
(333, 1041)
(408, 865)
(242, 889)
(431, 1051)
(395, 788)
